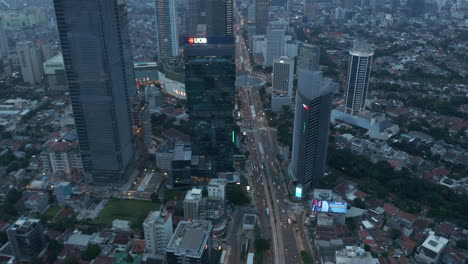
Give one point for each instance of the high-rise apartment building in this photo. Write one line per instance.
(308, 57)
(210, 85)
(192, 204)
(311, 126)
(261, 16)
(275, 39)
(210, 18)
(96, 57)
(167, 39)
(27, 238)
(158, 232)
(359, 69)
(30, 62)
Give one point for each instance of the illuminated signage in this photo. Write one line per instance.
(193, 40)
(329, 207)
(306, 107)
(299, 191)
(210, 40)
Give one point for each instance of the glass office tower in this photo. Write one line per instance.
(95, 53)
(209, 82)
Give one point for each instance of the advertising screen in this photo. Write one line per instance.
(329, 207)
(299, 191)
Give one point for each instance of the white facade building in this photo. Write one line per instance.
(429, 251)
(192, 204)
(216, 188)
(158, 232)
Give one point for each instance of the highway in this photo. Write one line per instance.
(266, 170)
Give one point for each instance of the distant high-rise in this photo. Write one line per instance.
(31, 66)
(210, 18)
(311, 126)
(26, 238)
(166, 29)
(282, 84)
(283, 73)
(3, 41)
(415, 8)
(311, 10)
(308, 57)
(359, 69)
(94, 46)
(261, 16)
(275, 39)
(210, 75)
(158, 232)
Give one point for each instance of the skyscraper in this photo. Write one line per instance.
(261, 16)
(359, 69)
(311, 10)
(3, 41)
(282, 83)
(26, 238)
(311, 126)
(31, 66)
(158, 232)
(167, 39)
(308, 57)
(210, 85)
(275, 38)
(95, 56)
(210, 18)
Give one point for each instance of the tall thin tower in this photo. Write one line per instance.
(311, 127)
(166, 29)
(261, 16)
(359, 69)
(95, 54)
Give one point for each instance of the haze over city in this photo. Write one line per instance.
(233, 131)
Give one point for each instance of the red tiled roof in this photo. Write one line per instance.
(360, 195)
(138, 246)
(390, 209)
(407, 216)
(407, 243)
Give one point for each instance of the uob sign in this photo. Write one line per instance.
(192, 40)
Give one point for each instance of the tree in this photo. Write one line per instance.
(237, 195)
(71, 260)
(129, 258)
(155, 198)
(54, 249)
(351, 224)
(395, 234)
(261, 245)
(306, 258)
(367, 248)
(91, 252)
(359, 203)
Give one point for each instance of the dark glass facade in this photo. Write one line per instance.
(311, 127)
(359, 69)
(215, 15)
(97, 59)
(261, 16)
(209, 82)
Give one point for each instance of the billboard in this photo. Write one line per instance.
(329, 207)
(299, 191)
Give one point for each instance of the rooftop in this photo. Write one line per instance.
(190, 238)
(435, 243)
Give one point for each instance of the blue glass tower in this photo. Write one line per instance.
(94, 41)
